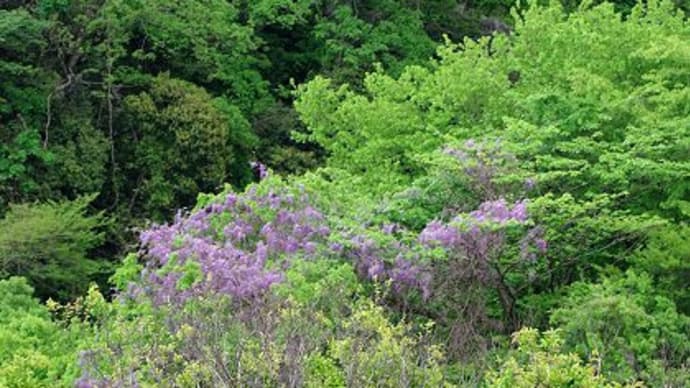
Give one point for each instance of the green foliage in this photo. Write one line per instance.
(282, 339)
(15, 174)
(276, 148)
(374, 352)
(322, 371)
(20, 40)
(203, 42)
(666, 258)
(634, 333)
(35, 351)
(90, 92)
(50, 244)
(540, 361)
(582, 113)
(127, 272)
(177, 118)
(325, 285)
(597, 129)
(379, 32)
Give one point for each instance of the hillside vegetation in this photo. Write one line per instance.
(344, 193)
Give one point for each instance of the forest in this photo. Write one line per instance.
(332, 193)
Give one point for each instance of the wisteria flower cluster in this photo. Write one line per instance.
(478, 234)
(390, 260)
(481, 163)
(480, 256)
(239, 247)
(242, 245)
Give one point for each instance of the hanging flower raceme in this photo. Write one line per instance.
(388, 259)
(481, 163)
(242, 245)
(480, 233)
(238, 247)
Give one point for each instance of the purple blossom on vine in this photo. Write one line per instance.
(245, 259)
(501, 212)
(260, 169)
(259, 236)
(475, 236)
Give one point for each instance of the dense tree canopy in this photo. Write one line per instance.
(344, 193)
(72, 72)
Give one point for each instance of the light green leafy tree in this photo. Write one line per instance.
(634, 333)
(50, 244)
(36, 351)
(539, 361)
(581, 97)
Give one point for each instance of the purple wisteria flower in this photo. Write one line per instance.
(241, 245)
(481, 163)
(501, 212)
(478, 234)
(530, 183)
(260, 169)
(389, 260)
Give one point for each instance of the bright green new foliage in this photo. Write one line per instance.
(529, 176)
(666, 258)
(50, 245)
(634, 334)
(539, 361)
(36, 352)
(579, 97)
